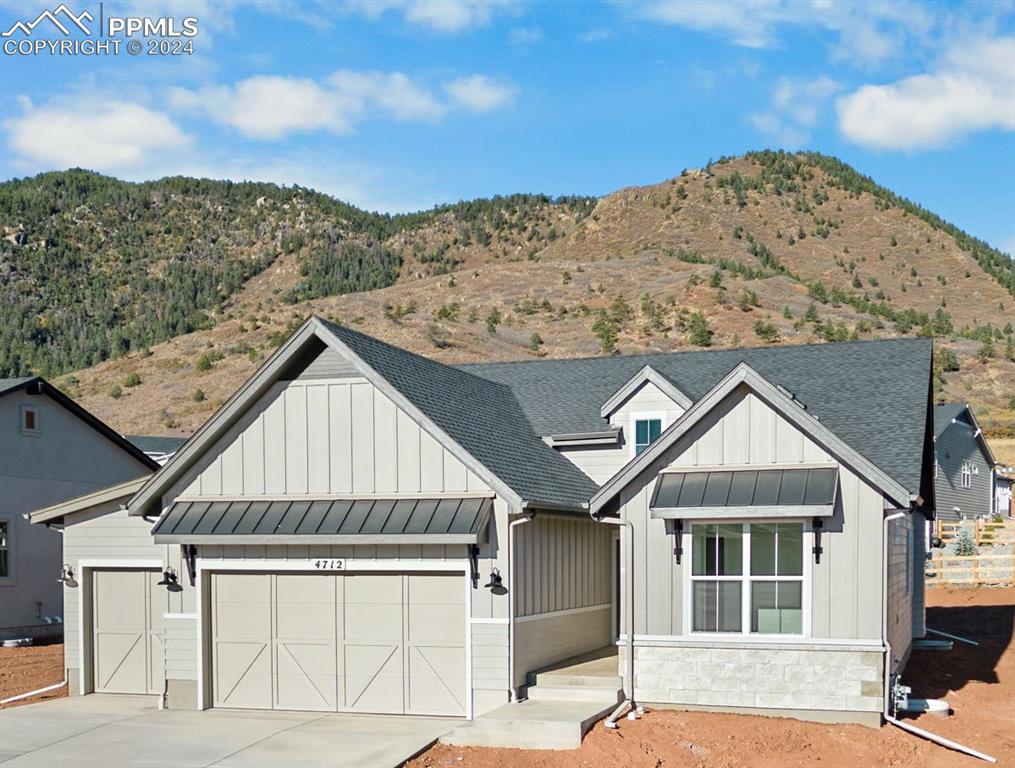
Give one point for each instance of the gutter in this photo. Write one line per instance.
(513, 605)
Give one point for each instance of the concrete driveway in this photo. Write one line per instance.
(104, 731)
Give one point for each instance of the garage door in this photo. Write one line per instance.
(386, 643)
(128, 608)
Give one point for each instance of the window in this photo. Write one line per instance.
(967, 475)
(645, 433)
(747, 578)
(4, 544)
(29, 420)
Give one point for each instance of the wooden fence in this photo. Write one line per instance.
(945, 569)
(982, 532)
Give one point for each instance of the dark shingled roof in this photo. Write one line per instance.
(480, 415)
(156, 443)
(871, 394)
(944, 413)
(8, 385)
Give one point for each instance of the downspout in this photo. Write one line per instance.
(629, 701)
(889, 718)
(512, 604)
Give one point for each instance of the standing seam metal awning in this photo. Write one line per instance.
(459, 520)
(746, 493)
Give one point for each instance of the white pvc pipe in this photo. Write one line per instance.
(939, 739)
(48, 688)
(884, 606)
(965, 640)
(512, 604)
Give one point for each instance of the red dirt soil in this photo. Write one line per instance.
(978, 682)
(28, 669)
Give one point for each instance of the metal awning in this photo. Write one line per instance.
(458, 520)
(745, 493)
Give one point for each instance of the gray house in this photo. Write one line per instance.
(51, 449)
(362, 529)
(964, 466)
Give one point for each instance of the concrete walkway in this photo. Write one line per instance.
(104, 731)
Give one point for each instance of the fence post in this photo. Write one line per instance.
(976, 530)
(976, 568)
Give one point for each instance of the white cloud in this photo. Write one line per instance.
(868, 32)
(595, 35)
(795, 108)
(966, 93)
(479, 93)
(447, 16)
(105, 136)
(271, 107)
(525, 36)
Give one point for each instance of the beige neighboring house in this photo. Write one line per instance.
(51, 450)
(361, 529)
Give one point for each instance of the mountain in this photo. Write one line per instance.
(167, 294)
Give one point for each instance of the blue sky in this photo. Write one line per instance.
(400, 104)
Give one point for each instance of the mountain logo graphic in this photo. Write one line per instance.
(54, 16)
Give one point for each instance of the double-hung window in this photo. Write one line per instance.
(967, 475)
(747, 578)
(645, 433)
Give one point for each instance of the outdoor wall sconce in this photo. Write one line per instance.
(817, 549)
(170, 581)
(67, 576)
(496, 583)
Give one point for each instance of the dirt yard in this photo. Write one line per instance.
(31, 668)
(978, 682)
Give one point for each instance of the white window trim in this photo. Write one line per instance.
(11, 579)
(25, 409)
(967, 475)
(745, 635)
(637, 416)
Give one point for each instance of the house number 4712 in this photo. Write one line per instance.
(329, 565)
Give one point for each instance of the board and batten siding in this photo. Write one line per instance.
(953, 448)
(106, 533)
(602, 462)
(315, 436)
(563, 591)
(745, 431)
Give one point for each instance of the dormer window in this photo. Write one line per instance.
(645, 433)
(29, 420)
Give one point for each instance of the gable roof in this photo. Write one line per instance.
(477, 420)
(946, 413)
(781, 401)
(872, 394)
(37, 385)
(156, 443)
(114, 493)
(646, 374)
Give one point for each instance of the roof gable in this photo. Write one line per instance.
(946, 414)
(632, 385)
(779, 400)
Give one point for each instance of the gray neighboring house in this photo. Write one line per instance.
(964, 466)
(362, 529)
(51, 449)
(156, 447)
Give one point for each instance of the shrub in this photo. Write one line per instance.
(535, 342)
(606, 330)
(204, 363)
(132, 379)
(700, 335)
(766, 331)
(965, 546)
(115, 392)
(198, 396)
(493, 320)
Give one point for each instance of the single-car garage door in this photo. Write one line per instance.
(391, 643)
(128, 627)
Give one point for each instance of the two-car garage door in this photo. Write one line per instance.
(362, 642)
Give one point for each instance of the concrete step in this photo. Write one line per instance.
(566, 680)
(539, 724)
(574, 693)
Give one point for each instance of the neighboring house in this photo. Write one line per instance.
(362, 529)
(159, 449)
(1004, 499)
(51, 449)
(964, 465)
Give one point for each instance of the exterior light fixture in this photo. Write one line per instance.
(67, 576)
(170, 581)
(496, 583)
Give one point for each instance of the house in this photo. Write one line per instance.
(963, 464)
(363, 529)
(51, 449)
(1004, 499)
